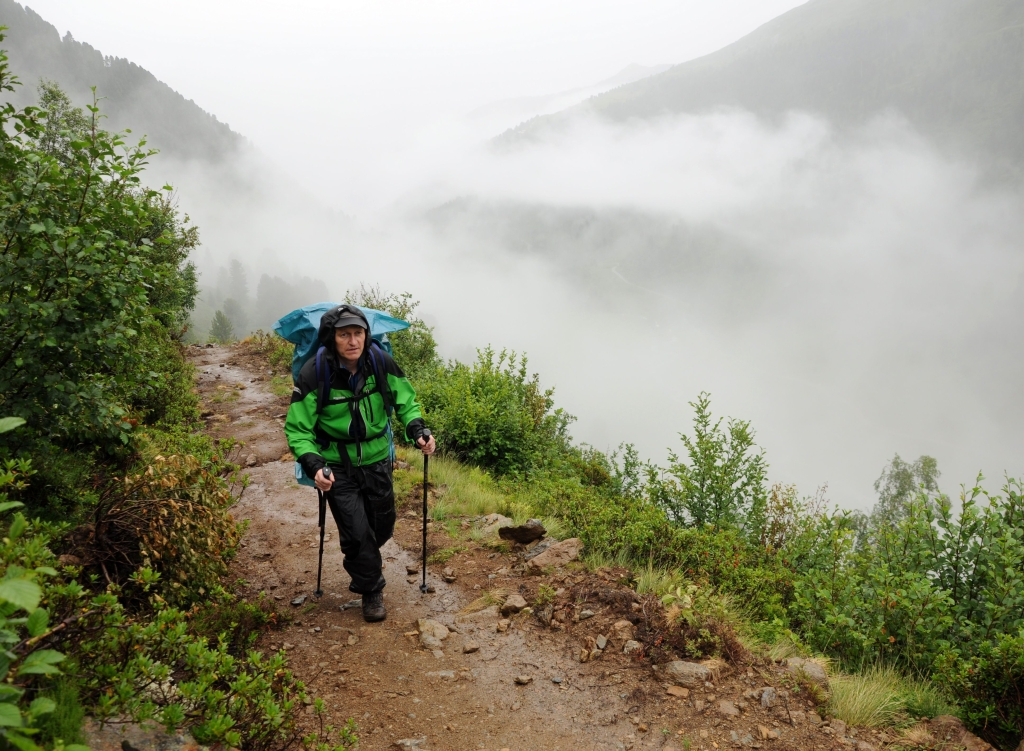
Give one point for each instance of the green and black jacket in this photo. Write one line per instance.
(353, 416)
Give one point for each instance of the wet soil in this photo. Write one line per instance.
(394, 689)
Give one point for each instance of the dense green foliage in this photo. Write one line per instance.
(105, 440)
(494, 414)
(93, 275)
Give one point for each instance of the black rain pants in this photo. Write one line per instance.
(362, 501)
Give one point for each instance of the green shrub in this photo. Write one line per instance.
(987, 678)
(722, 483)
(90, 261)
(494, 415)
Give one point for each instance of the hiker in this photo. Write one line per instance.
(344, 427)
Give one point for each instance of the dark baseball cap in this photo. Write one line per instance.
(349, 317)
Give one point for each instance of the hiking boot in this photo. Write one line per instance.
(373, 607)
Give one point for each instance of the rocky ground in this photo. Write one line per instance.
(504, 653)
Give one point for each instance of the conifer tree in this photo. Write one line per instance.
(221, 329)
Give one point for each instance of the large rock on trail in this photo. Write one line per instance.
(683, 673)
(622, 632)
(807, 670)
(432, 633)
(524, 534)
(555, 556)
(513, 604)
(950, 731)
(493, 522)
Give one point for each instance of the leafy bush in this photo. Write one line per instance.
(988, 680)
(90, 261)
(723, 482)
(171, 518)
(153, 663)
(494, 415)
(23, 656)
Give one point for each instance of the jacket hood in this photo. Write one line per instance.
(326, 333)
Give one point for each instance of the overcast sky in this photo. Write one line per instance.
(362, 88)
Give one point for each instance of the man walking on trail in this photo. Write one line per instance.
(338, 419)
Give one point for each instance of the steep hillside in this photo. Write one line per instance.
(133, 97)
(954, 68)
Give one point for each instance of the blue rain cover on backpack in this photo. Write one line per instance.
(300, 327)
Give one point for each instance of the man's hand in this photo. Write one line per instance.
(322, 482)
(428, 447)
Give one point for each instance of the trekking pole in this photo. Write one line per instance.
(426, 459)
(323, 523)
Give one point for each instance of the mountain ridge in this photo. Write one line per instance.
(953, 68)
(132, 96)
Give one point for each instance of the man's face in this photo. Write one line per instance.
(349, 341)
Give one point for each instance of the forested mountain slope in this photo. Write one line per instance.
(132, 96)
(954, 68)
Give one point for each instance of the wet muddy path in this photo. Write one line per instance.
(463, 697)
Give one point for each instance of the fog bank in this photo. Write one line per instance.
(853, 297)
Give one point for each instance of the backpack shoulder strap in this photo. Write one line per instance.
(380, 374)
(323, 380)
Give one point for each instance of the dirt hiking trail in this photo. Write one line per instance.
(487, 685)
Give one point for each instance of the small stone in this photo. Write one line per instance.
(513, 604)
(764, 732)
(251, 460)
(683, 673)
(698, 705)
(807, 670)
(838, 725)
(470, 647)
(631, 647)
(601, 642)
(492, 522)
(353, 640)
(728, 709)
(444, 675)
(557, 555)
(813, 718)
(438, 654)
(557, 681)
(524, 533)
(412, 570)
(678, 691)
(585, 614)
(768, 697)
(300, 600)
(503, 625)
(623, 631)
(358, 603)
(411, 743)
(522, 680)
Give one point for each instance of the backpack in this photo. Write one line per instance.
(300, 327)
